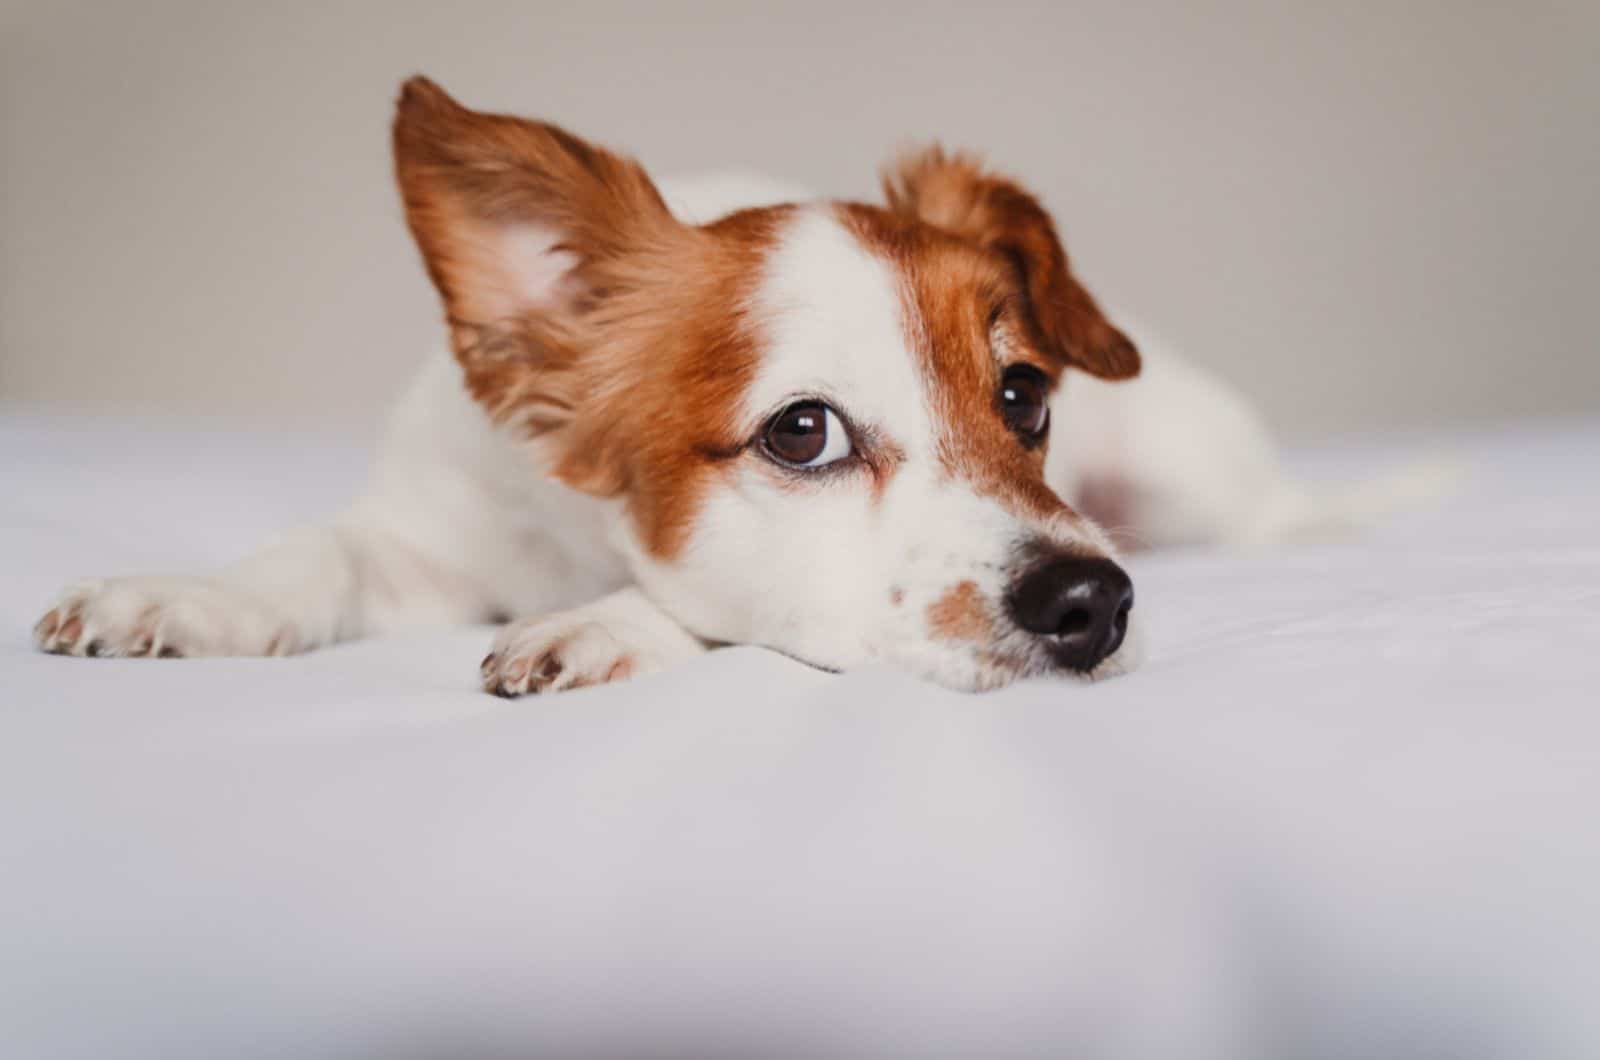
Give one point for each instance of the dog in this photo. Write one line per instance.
(718, 412)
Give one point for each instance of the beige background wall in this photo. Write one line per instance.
(1368, 217)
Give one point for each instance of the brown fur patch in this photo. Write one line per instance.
(667, 376)
(960, 614)
(959, 299)
(955, 193)
(630, 374)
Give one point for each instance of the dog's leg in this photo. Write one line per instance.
(455, 527)
(311, 588)
(616, 637)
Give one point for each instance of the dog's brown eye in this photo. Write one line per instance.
(807, 434)
(1025, 400)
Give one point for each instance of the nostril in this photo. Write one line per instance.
(1075, 621)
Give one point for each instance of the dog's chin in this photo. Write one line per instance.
(990, 667)
(987, 669)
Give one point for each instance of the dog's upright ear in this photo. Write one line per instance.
(529, 233)
(956, 193)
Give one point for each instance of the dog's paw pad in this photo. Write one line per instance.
(550, 655)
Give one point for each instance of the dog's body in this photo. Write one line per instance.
(923, 544)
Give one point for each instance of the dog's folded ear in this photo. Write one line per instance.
(527, 231)
(956, 193)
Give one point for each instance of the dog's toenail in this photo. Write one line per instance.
(93, 649)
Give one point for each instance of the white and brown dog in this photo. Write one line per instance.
(716, 413)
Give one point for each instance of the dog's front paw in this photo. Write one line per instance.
(553, 654)
(166, 617)
(618, 636)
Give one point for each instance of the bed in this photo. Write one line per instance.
(1347, 808)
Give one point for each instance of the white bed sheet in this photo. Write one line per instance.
(1347, 808)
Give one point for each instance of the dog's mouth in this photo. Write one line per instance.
(998, 668)
(1015, 657)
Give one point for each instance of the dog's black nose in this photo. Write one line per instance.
(1080, 607)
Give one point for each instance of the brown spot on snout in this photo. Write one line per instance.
(960, 614)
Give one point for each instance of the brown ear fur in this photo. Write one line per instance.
(954, 192)
(580, 310)
(533, 237)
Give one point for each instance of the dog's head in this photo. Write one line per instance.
(825, 424)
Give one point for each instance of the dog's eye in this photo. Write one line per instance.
(1025, 400)
(807, 434)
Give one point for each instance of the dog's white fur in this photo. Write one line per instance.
(455, 526)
